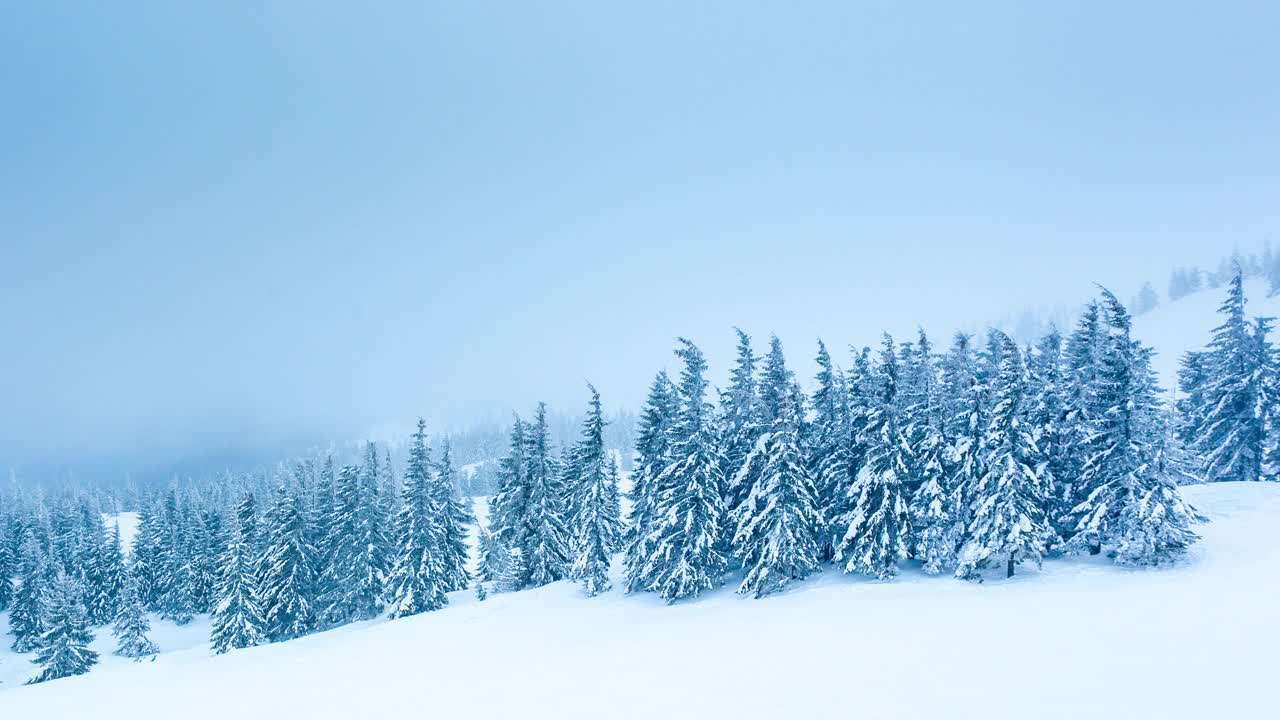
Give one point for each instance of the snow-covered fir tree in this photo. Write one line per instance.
(131, 624)
(933, 523)
(1231, 427)
(287, 581)
(106, 578)
(546, 543)
(1009, 522)
(513, 573)
(27, 614)
(1132, 505)
(776, 527)
(8, 565)
(595, 519)
(877, 525)
(1046, 416)
(491, 556)
(828, 442)
(740, 419)
(653, 444)
(688, 506)
(238, 618)
(454, 520)
(356, 582)
(417, 581)
(64, 646)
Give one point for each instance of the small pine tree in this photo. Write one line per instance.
(64, 646)
(653, 442)
(418, 575)
(131, 624)
(454, 519)
(513, 572)
(595, 521)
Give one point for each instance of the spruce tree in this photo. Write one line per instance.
(828, 442)
(653, 443)
(1232, 426)
(1132, 503)
(356, 584)
(238, 618)
(740, 419)
(417, 578)
(108, 578)
(877, 525)
(27, 616)
(546, 544)
(1009, 521)
(491, 556)
(454, 519)
(595, 521)
(288, 583)
(64, 645)
(933, 540)
(688, 507)
(131, 624)
(513, 573)
(8, 566)
(777, 525)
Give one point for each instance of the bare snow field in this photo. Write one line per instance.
(1083, 638)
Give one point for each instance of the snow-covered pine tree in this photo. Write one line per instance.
(131, 624)
(777, 525)
(595, 521)
(513, 572)
(877, 525)
(546, 546)
(491, 556)
(356, 585)
(1232, 425)
(508, 507)
(1146, 300)
(107, 579)
(839, 471)
(287, 586)
(1046, 416)
(8, 565)
(828, 440)
(64, 645)
(27, 615)
(934, 539)
(1132, 502)
(1192, 376)
(740, 420)
(1082, 365)
(653, 443)
(417, 581)
(1009, 521)
(144, 556)
(688, 505)
(454, 520)
(238, 618)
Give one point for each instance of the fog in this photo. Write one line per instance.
(236, 230)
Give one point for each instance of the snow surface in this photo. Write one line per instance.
(1083, 638)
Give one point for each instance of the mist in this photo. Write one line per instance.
(234, 232)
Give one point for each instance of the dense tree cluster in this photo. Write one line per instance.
(983, 457)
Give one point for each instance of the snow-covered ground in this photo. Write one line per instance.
(1082, 638)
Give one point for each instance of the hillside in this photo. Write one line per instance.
(1080, 637)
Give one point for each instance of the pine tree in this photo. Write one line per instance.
(1009, 520)
(417, 578)
(930, 509)
(828, 442)
(238, 619)
(546, 546)
(64, 645)
(8, 566)
(877, 525)
(1046, 417)
(454, 519)
(288, 583)
(131, 624)
(595, 521)
(1232, 426)
(27, 616)
(653, 443)
(1193, 375)
(514, 572)
(356, 584)
(1146, 300)
(688, 506)
(107, 579)
(777, 526)
(740, 419)
(492, 555)
(1132, 502)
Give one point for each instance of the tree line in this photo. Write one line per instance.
(983, 457)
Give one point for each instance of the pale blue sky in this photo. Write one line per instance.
(225, 223)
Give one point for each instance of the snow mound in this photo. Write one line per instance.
(1082, 638)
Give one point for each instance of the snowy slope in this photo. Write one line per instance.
(1187, 324)
(1081, 639)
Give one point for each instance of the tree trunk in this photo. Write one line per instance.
(1010, 566)
(1095, 548)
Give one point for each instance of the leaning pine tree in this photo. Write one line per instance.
(688, 507)
(1132, 502)
(1009, 519)
(64, 647)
